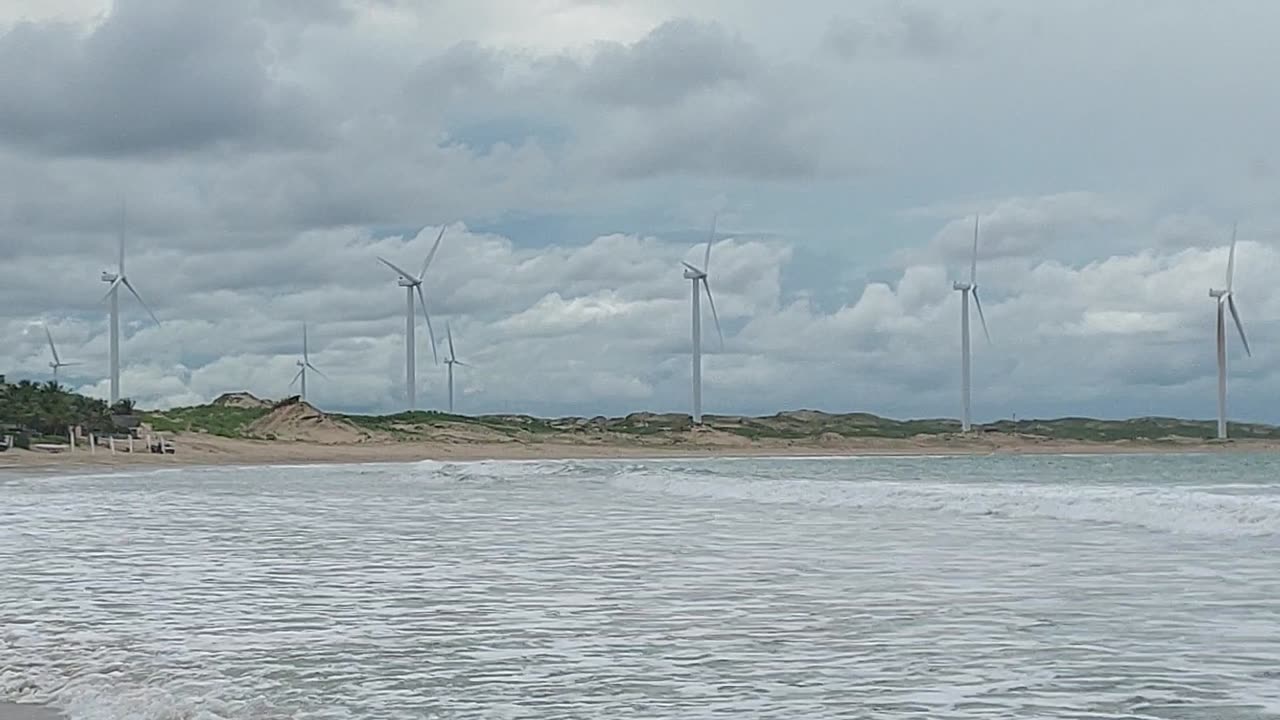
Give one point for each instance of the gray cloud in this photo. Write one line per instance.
(269, 150)
(153, 77)
(901, 29)
(678, 59)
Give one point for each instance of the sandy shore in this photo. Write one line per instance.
(197, 449)
(19, 711)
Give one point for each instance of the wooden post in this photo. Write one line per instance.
(93, 443)
(71, 435)
(130, 444)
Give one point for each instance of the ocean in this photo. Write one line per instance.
(925, 587)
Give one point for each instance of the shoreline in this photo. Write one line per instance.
(27, 711)
(198, 450)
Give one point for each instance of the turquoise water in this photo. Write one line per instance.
(1011, 587)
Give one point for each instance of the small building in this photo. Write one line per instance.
(129, 424)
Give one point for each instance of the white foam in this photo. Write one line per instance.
(1177, 509)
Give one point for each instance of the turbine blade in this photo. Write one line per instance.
(295, 377)
(706, 258)
(112, 288)
(430, 332)
(973, 265)
(145, 306)
(714, 316)
(316, 370)
(52, 349)
(403, 273)
(448, 331)
(1235, 315)
(978, 304)
(462, 364)
(431, 255)
(1231, 259)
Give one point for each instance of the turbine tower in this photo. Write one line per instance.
(1227, 298)
(304, 365)
(699, 276)
(413, 284)
(450, 362)
(965, 289)
(57, 362)
(118, 279)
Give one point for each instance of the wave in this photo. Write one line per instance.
(1175, 509)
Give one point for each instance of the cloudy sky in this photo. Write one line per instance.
(576, 151)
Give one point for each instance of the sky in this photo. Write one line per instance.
(576, 151)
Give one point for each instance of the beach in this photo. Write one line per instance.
(199, 449)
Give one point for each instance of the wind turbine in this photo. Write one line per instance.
(965, 289)
(117, 279)
(1227, 298)
(413, 284)
(57, 361)
(450, 362)
(304, 365)
(699, 275)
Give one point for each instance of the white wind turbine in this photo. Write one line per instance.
(118, 279)
(304, 365)
(1227, 298)
(450, 362)
(699, 276)
(57, 362)
(413, 284)
(965, 289)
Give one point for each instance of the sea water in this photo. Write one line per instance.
(993, 587)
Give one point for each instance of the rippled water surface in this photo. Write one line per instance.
(1016, 587)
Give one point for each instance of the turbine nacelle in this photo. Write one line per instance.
(693, 273)
(405, 282)
(109, 277)
(1219, 294)
(961, 286)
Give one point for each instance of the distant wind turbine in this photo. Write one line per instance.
(965, 289)
(118, 279)
(450, 362)
(699, 276)
(1227, 298)
(304, 365)
(57, 362)
(413, 284)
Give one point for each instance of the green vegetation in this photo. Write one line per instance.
(48, 409)
(1134, 429)
(794, 425)
(411, 424)
(219, 420)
